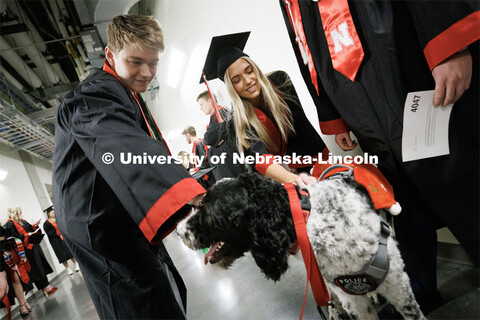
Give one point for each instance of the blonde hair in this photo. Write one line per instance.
(184, 157)
(15, 214)
(190, 130)
(142, 32)
(49, 213)
(247, 125)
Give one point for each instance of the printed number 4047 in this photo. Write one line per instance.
(416, 99)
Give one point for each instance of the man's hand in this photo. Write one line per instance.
(452, 78)
(344, 141)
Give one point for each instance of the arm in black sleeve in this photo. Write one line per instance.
(12, 230)
(445, 27)
(211, 135)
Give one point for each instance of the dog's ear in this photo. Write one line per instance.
(270, 248)
(270, 229)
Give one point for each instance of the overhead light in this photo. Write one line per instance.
(176, 66)
(3, 174)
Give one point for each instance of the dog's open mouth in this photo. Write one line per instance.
(214, 254)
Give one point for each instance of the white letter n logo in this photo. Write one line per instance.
(341, 38)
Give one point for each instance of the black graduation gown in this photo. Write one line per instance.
(305, 141)
(113, 216)
(215, 138)
(4, 267)
(200, 150)
(35, 256)
(61, 250)
(393, 35)
(211, 136)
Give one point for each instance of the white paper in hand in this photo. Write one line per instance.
(425, 127)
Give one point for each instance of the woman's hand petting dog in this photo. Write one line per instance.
(304, 179)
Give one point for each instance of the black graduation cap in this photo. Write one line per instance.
(48, 209)
(200, 173)
(224, 50)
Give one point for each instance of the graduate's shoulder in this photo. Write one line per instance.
(99, 85)
(278, 77)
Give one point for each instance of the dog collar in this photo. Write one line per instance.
(337, 171)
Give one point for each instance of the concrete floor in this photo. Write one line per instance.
(244, 293)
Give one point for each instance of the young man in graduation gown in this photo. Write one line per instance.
(359, 60)
(113, 214)
(212, 137)
(199, 149)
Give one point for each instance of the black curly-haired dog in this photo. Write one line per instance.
(252, 213)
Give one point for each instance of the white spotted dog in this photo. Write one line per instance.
(252, 213)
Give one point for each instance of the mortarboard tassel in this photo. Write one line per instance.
(212, 101)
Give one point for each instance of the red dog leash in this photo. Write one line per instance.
(314, 276)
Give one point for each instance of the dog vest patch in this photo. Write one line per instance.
(357, 284)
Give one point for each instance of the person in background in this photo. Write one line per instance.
(184, 156)
(22, 229)
(113, 216)
(359, 59)
(56, 240)
(211, 136)
(11, 284)
(199, 149)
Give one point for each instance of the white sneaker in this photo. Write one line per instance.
(69, 271)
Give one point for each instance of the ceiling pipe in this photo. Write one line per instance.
(58, 70)
(17, 10)
(71, 30)
(77, 62)
(37, 39)
(11, 79)
(21, 67)
(80, 47)
(81, 66)
(45, 71)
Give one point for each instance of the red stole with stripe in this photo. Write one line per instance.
(343, 42)
(24, 233)
(272, 131)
